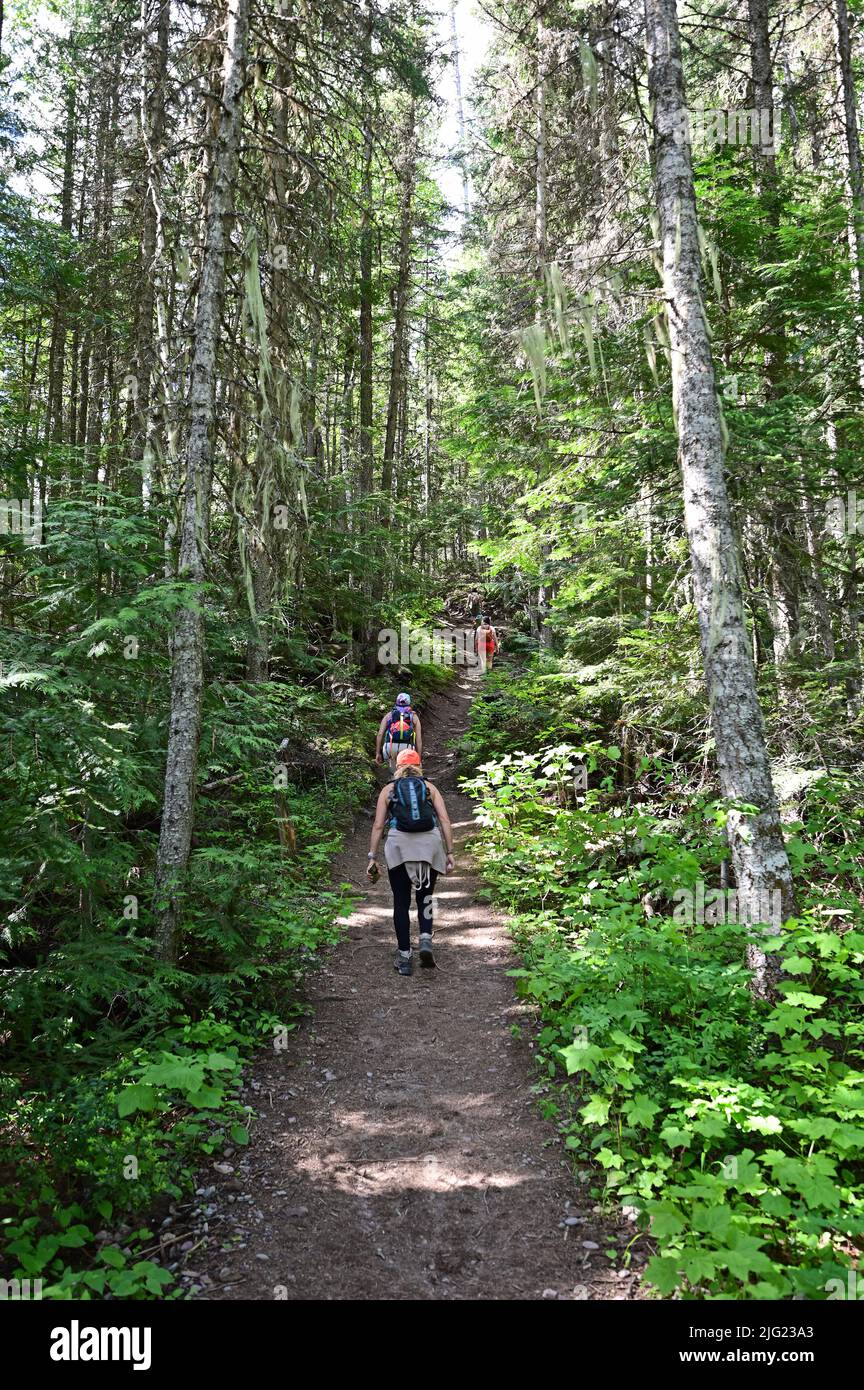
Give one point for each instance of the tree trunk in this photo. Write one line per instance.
(545, 588)
(363, 630)
(783, 571)
(541, 252)
(855, 181)
(104, 230)
(648, 531)
(400, 312)
(823, 634)
(427, 550)
(460, 110)
(366, 340)
(154, 68)
(57, 357)
(756, 842)
(187, 665)
(75, 345)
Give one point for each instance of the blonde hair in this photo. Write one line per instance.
(409, 770)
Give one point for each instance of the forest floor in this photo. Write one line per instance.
(398, 1150)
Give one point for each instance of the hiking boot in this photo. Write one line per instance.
(426, 956)
(404, 962)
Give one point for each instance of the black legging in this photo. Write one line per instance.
(402, 885)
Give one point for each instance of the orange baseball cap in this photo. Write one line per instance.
(408, 756)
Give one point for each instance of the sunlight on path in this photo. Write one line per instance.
(398, 1143)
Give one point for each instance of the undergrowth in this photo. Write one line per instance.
(122, 1076)
(733, 1129)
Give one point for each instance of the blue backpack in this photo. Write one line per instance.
(411, 805)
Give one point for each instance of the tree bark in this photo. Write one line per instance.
(363, 630)
(154, 68)
(823, 634)
(366, 328)
(104, 228)
(647, 508)
(187, 665)
(545, 588)
(854, 178)
(400, 312)
(783, 569)
(57, 355)
(756, 842)
(541, 252)
(855, 232)
(460, 110)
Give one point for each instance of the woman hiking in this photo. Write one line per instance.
(419, 846)
(399, 729)
(487, 643)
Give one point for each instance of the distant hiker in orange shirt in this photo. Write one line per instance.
(487, 643)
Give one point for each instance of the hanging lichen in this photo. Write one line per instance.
(654, 223)
(650, 352)
(661, 333)
(557, 291)
(586, 318)
(589, 74)
(532, 341)
(724, 428)
(256, 314)
(710, 260)
(294, 422)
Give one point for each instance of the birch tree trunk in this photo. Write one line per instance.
(187, 665)
(756, 843)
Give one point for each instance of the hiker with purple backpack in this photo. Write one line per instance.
(399, 729)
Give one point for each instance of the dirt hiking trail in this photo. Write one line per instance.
(398, 1151)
